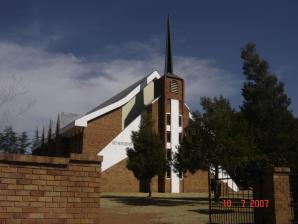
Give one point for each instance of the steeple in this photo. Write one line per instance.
(168, 53)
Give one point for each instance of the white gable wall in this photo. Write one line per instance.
(115, 151)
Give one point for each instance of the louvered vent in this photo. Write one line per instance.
(174, 86)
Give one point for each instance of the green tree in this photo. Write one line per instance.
(57, 127)
(23, 143)
(147, 157)
(218, 137)
(42, 138)
(266, 109)
(36, 139)
(8, 140)
(11, 142)
(50, 133)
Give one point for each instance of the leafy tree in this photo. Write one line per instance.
(264, 132)
(266, 108)
(42, 137)
(147, 157)
(36, 138)
(50, 132)
(8, 140)
(57, 127)
(23, 143)
(11, 142)
(218, 137)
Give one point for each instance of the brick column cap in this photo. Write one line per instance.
(85, 158)
(19, 158)
(46, 160)
(282, 169)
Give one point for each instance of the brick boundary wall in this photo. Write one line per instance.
(274, 185)
(51, 190)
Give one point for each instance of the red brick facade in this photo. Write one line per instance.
(39, 189)
(119, 179)
(197, 182)
(103, 129)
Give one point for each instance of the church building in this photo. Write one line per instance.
(106, 130)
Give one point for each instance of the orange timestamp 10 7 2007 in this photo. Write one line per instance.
(247, 203)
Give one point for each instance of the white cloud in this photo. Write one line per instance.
(64, 82)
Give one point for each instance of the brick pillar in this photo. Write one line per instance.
(282, 197)
(274, 185)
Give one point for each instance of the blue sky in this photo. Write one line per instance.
(71, 55)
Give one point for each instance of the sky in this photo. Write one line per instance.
(69, 55)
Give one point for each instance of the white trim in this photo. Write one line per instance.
(83, 121)
(175, 180)
(168, 128)
(115, 151)
(168, 145)
(155, 100)
(189, 113)
(190, 116)
(187, 107)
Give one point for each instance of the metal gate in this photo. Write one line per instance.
(228, 203)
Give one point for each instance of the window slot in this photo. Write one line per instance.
(168, 119)
(168, 136)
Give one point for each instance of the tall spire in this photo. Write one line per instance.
(168, 54)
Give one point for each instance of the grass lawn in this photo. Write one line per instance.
(162, 208)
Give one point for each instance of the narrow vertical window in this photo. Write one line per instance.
(168, 119)
(169, 154)
(180, 138)
(168, 136)
(169, 157)
(180, 120)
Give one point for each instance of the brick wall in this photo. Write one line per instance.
(119, 179)
(197, 182)
(274, 185)
(37, 189)
(101, 131)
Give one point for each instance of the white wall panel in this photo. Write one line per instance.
(175, 183)
(115, 151)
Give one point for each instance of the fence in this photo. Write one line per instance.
(228, 204)
(273, 199)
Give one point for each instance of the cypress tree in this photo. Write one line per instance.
(36, 138)
(266, 108)
(50, 132)
(42, 137)
(9, 140)
(23, 143)
(147, 157)
(57, 126)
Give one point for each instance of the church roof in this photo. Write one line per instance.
(118, 96)
(114, 102)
